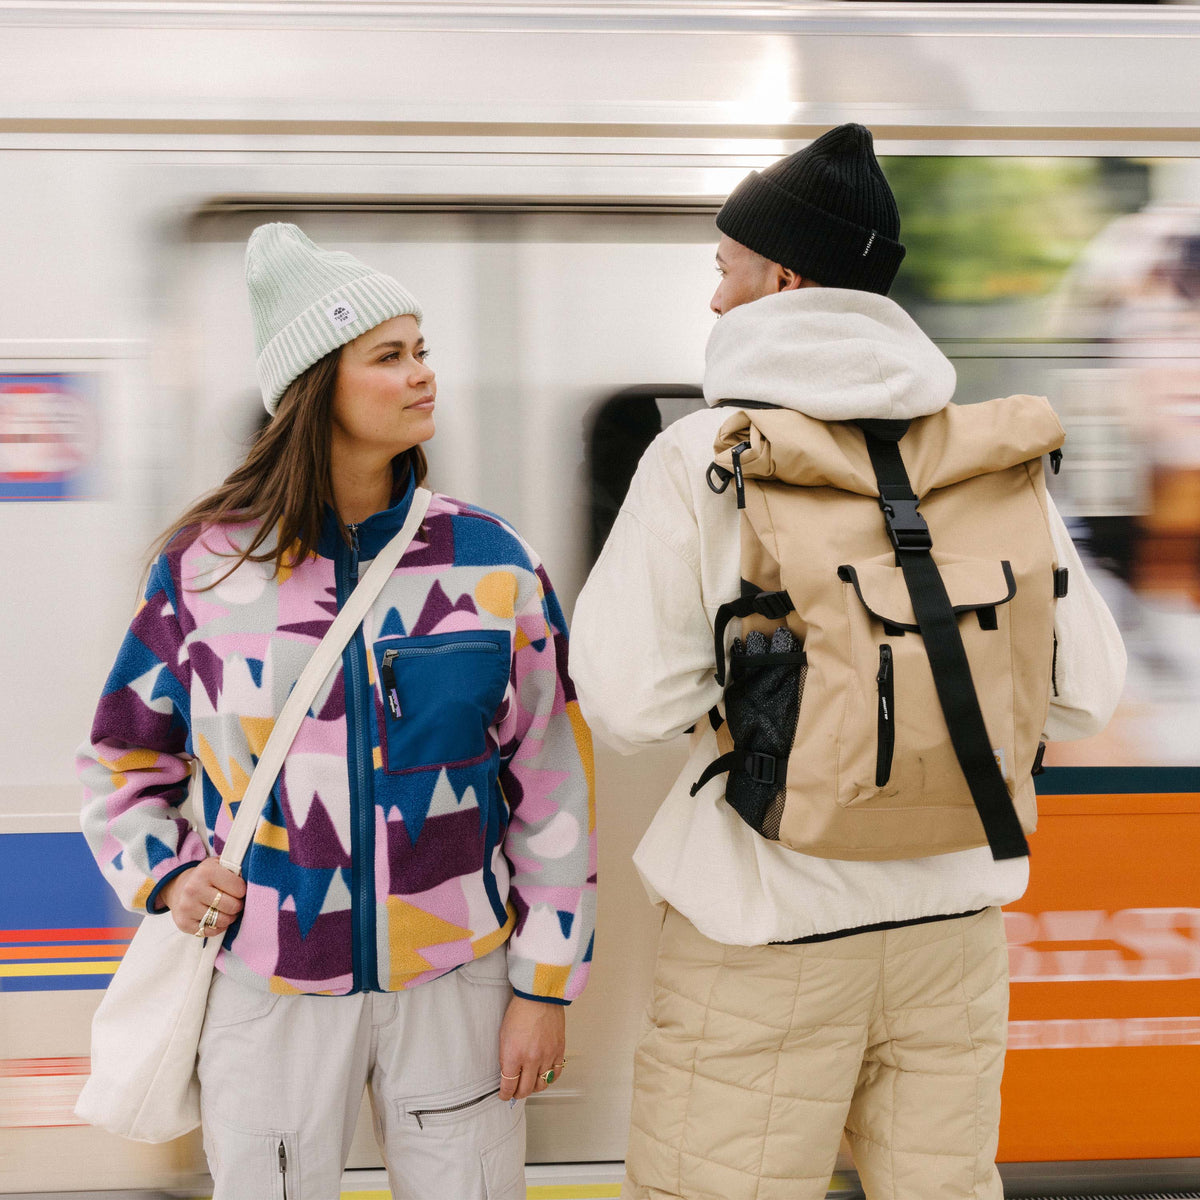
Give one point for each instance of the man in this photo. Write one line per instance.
(796, 997)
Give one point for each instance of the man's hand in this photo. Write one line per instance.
(533, 1040)
(191, 892)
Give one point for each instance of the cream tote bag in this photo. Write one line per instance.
(146, 1031)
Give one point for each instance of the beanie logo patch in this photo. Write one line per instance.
(341, 314)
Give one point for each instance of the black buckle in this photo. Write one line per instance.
(1037, 768)
(775, 605)
(906, 527)
(761, 767)
(723, 476)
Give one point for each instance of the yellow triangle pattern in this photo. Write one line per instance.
(257, 730)
(408, 927)
(583, 743)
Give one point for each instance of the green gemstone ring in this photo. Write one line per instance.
(548, 1076)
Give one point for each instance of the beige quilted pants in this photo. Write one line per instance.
(756, 1058)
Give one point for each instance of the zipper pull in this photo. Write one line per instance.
(739, 483)
(389, 682)
(883, 678)
(353, 531)
(283, 1167)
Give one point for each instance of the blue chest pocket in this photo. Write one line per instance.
(437, 697)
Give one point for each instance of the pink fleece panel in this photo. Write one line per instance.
(538, 788)
(337, 985)
(203, 607)
(524, 867)
(321, 737)
(430, 976)
(564, 899)
(223, 824)
(301, 602)
(456, 622)
(448, 954)
(382, 872)
(257, 942)
(447, 901)
(130, 796)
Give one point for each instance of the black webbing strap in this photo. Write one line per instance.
(718, 766)
(775, 605)
(762, 768)
(943, 642)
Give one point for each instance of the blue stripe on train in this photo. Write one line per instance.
(50, 881)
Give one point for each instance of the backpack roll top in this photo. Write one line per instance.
(873, 770)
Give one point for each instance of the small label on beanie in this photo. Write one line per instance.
(341, 314)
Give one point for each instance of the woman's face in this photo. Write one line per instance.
(383, 397)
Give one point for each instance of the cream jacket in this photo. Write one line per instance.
(641, 647)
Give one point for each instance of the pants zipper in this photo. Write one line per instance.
(886, 718)
(453, 1108)
(283, 1167)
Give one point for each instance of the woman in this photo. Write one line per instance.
(427, 856)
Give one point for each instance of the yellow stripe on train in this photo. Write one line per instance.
(52, 968)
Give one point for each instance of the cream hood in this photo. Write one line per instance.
(831, 353)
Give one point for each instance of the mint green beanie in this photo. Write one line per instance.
(306, 301)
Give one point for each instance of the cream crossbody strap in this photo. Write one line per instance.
(287, 724)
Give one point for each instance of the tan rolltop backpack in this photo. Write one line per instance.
(888, 692)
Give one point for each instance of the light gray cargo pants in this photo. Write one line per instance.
(282, 1079)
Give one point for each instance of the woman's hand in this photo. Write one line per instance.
(191, 892)
(533, 1040)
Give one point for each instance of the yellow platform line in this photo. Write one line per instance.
(571, 1191)
(65, 968)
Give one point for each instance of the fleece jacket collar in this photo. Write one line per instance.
(830, 353)
(376, 531)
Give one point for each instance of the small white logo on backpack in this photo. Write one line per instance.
(341, 314)
(998, 751)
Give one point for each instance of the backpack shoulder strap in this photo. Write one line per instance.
(956, 693)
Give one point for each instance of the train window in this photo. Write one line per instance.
(624, 425)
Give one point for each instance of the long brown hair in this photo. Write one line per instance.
(285, 481)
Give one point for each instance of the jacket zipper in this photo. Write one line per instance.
(886, 717)
(388, 672)
(362, 799)
(453, 1108)
(283, 1167)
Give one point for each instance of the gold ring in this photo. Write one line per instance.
(547, 1077)
(516, 1076)
(201, 930)
(210, 918)
(216, 900)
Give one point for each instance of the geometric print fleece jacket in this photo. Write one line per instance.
(438, 799)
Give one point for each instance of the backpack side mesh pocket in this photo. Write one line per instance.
(762, 708)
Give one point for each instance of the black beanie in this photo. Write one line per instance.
(826, 213)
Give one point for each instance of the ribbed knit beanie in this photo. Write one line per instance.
(306, 301)
(825, 212)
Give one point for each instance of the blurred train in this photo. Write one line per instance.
(544, 176)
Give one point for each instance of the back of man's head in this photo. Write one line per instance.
(826, 213)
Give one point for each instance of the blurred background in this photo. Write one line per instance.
(544, 177)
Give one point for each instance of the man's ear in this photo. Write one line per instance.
(786, 280)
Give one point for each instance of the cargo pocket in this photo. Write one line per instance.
(259, 1163)
(450, 1109)
(437, 696)
(894, 737)
(762, 706)
(504, 1165)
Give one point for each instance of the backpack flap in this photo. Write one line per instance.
(898, 743)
